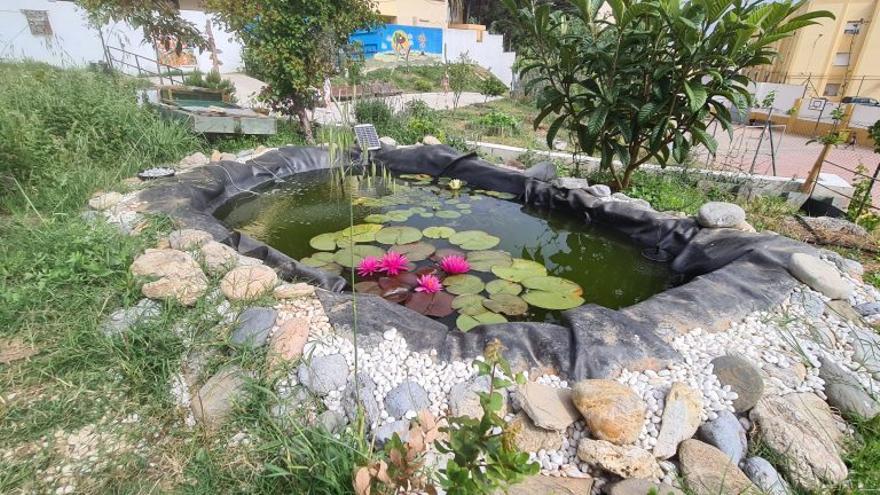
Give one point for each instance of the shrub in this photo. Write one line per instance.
(423, 85)
(213, 80)
(375, 112)
(491, 86)
(497, 122)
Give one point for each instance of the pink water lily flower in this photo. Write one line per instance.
(393, 263)
(368, 266)
(454, 265)
(429, 284)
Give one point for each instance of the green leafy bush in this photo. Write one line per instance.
(497, 122)
(491, 86)
(213, 80)
(375, 112)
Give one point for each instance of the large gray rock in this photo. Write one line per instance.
(681, 418)
(801, 429)
(121, 320)
(813, 305)
(366, 396)
(819, 275)
(845, 392)
(386, 432)
(743, 377)
(324, 373)
(216, 399)
(868, 308)
(609, 341)
(726, 434)
(570, 183)
(331, 421)
(549, 407)
(252, 328)
(636, 486)
(408, 396)
(599, 190)
(765, 476)
(715, 214)
(187, 239)
(708, 471)
(866, 345)
(545, 171)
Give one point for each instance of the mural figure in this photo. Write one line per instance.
(401, 43)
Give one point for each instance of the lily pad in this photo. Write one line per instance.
(507, 304)
(398, 235)
(324, 242)
(463, 284)
(519, 270)
(442, 253)
(552, 300)
(438, 304)
(447, 214)
(467, 322)
(377, 218)
(474, 240)
(463, 206)
(503, 287)
(467, 300)
(438, 232)
(553, 284)
(350, 257)
(484, 261)
(395, 289)
(368, 287)
(419, 177)
(399, 215)
(426, 215)
(415, 251)
(500, 195)
(323, 264)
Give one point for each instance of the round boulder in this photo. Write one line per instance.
(743, 377)
(819, 275)
(612, 411)
(716, 214)
(248, 282)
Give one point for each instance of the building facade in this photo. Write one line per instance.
(838, 57)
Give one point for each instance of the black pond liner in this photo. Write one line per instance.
(732, 273)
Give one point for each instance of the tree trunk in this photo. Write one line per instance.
(813, 177)
(306, 124)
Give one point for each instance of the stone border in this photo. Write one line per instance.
(734, 272)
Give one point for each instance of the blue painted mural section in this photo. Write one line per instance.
(401, 41)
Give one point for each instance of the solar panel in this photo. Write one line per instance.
(367, 137)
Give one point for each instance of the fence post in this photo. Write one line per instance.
(868, 192)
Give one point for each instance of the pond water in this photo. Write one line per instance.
(306, 219)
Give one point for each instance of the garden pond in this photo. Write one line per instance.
(464, 256)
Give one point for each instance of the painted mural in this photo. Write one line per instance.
(398, 43)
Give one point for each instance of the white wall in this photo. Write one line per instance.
(786, 94)
(489, 53)
(75, 43)
(864, 116)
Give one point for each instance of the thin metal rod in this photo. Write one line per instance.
(868, 192)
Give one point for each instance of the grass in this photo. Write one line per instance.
(83, 400)
(418, 78)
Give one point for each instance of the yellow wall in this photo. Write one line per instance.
(809, 56)
(434, 13)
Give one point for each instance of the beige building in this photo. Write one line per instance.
(426, 13)
(836, 58)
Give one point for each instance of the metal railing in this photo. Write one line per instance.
(142, 64)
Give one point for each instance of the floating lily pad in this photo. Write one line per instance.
(377, 218)
(463, 284)
(368, 287)
(438, 232)
(399, 215)
(503, 287)
(552, 300)
(520, 270)
(466, 212)
(553, 284)
(419, 177)
(500, 195)
(483, 261)
(447, 214)
(468, 300)
(467, 322)
(426, 215)
(415, 251)
(350, 257)
(322, 263)
(507, 304)
(398, 235)
(324, 242)
(395, 289)
(438, 304)
(463, 206)
(474, 240)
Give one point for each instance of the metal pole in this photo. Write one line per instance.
(868, 192)
(772, 146)
(760, 141)
(822, 111)
(859, 91)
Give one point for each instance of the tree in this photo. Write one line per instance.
(292, 44)
(159, 20)
(461, 77)
(644, 83)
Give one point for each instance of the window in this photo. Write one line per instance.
(841, 59)
(831, 89)
(853, 27)
(38, 22)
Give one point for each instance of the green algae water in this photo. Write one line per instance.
(313, 209)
